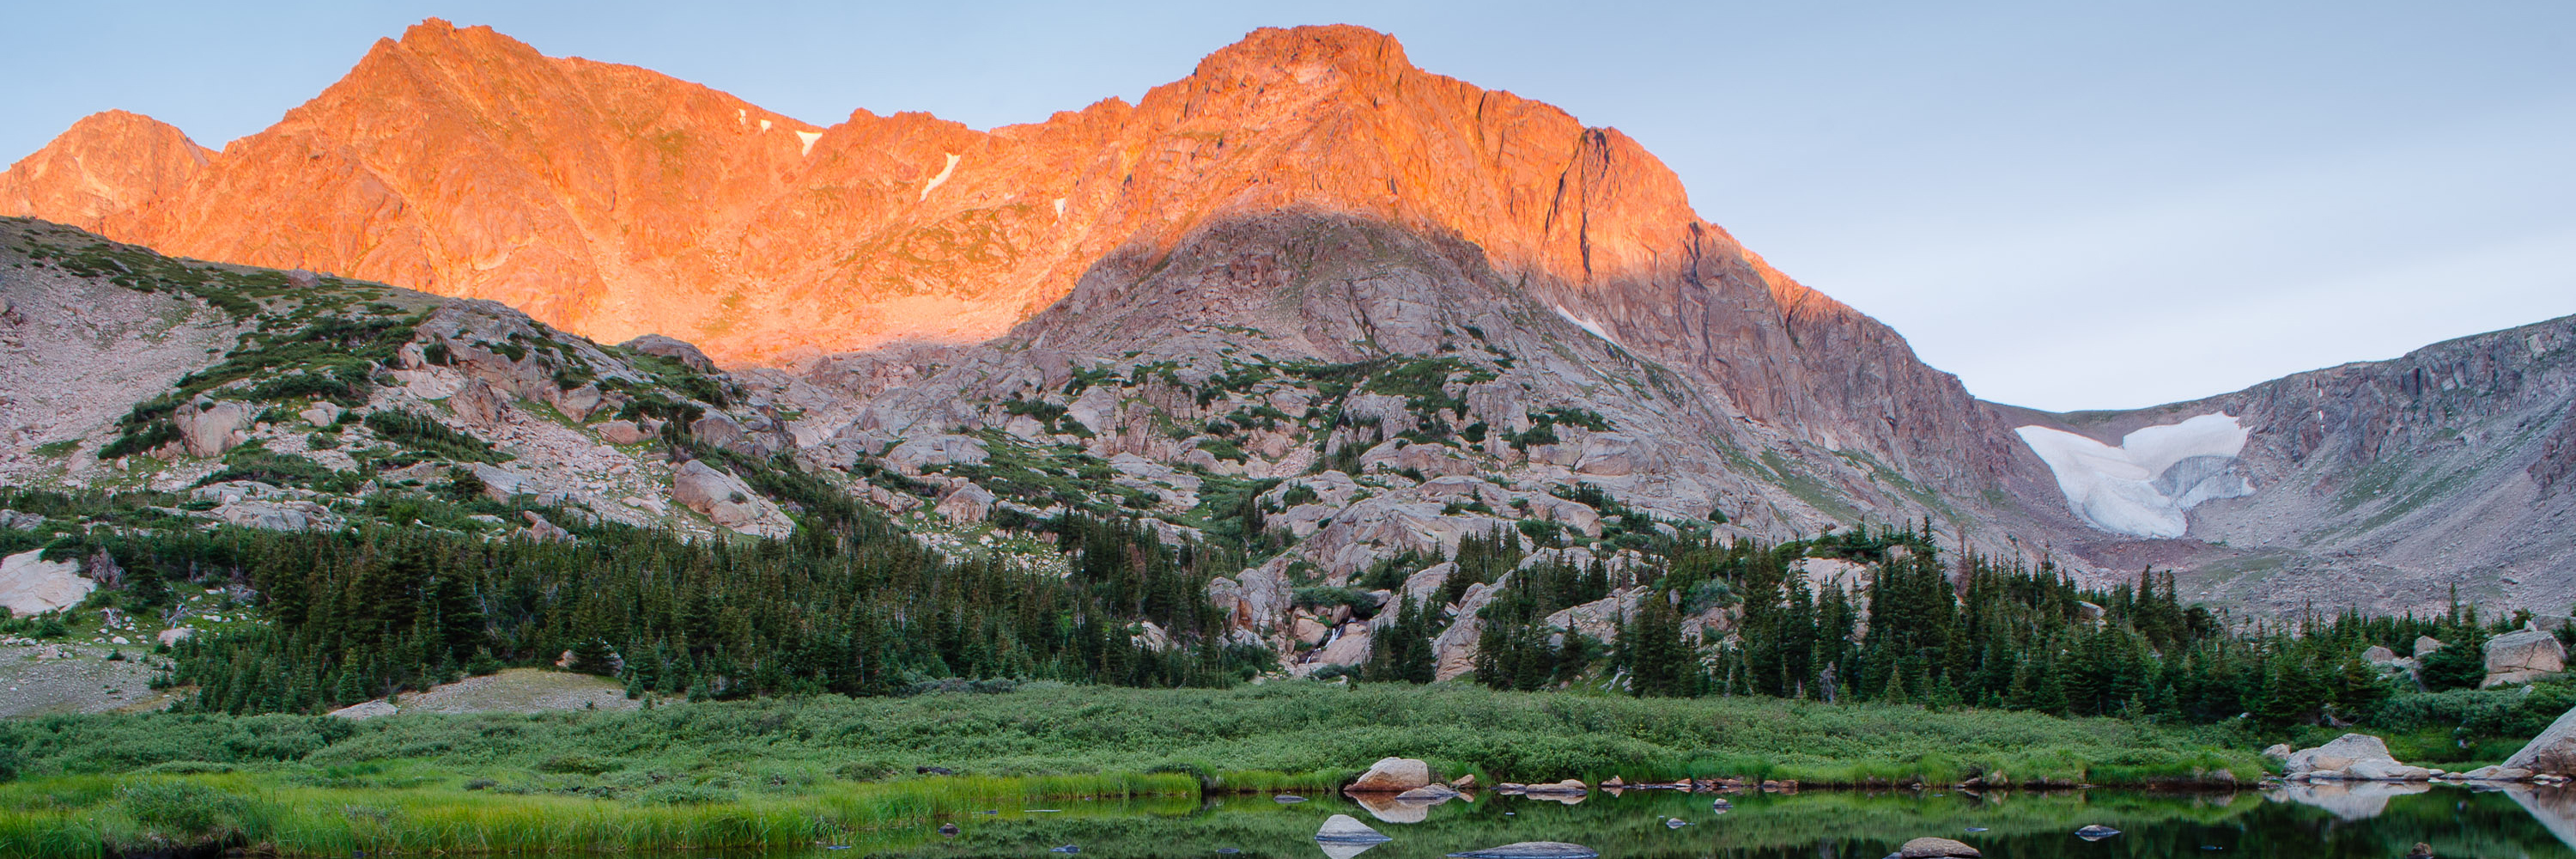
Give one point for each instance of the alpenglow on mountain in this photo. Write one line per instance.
(1382, 309)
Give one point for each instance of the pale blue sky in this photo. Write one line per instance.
(2071, 205)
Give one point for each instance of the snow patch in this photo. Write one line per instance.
(809, 137)
(741, 116)
(942, 177)
(764, 125)
(1587, 325)
(1059, 208)
(2144, 486)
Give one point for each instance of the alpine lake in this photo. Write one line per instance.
(2282, 821)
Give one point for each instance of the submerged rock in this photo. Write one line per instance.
(1936, 848)
(2097, 832)
(1532, 850)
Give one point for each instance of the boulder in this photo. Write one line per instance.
(1935, 848)
(1532, 850)
(208, 428)
(2097, 832)
(2335, 757)
(1346, 829)
(2378, 655)
(29, 584)
(724, 498)
(2553, 751)
(2375, 770)
(2279, 751)
(321, 414)
(1393, 775)
(2426, 644)
(968, 503)
(2521, 657)
(541, 530)
(622, 432)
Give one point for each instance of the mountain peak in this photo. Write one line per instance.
(1355, 50)
(105, 164)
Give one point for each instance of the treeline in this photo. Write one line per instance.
(1963, 632)
(860, 610)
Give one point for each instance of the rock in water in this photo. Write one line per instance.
(2097, 832)
(1429, 793)
(2521, 657)
(1721, 804)
(2421, 850)
(1345, 829)
(1675, 823)
(1935, 848)
(1393, 775)
(947, 829)
(1284, 799)
(1532, 850)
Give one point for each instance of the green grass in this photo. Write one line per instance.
(794, 771)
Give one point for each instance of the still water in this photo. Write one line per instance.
(2369, 820)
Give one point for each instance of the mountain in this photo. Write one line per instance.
(1309, 301)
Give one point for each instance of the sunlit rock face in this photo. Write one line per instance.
(2145, 486)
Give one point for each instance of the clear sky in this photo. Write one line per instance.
(2070, 205)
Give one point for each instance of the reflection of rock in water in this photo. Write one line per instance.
(2360, 800)
(1389, 809)
(2554, 807)
(1345, 849)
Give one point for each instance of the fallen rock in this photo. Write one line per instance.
(29, 584)
(2521, 657)
(1345, 829)
(1935, 848)
(1392, 775)
(1532, 850)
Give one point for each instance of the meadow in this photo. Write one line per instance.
(794, 771)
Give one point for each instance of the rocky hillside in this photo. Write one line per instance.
(2381, 484)
(293, 400)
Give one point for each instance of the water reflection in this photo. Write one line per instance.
(2345, 821)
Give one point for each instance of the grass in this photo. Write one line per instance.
(793, 771)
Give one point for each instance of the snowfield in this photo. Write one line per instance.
(2143, 487)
